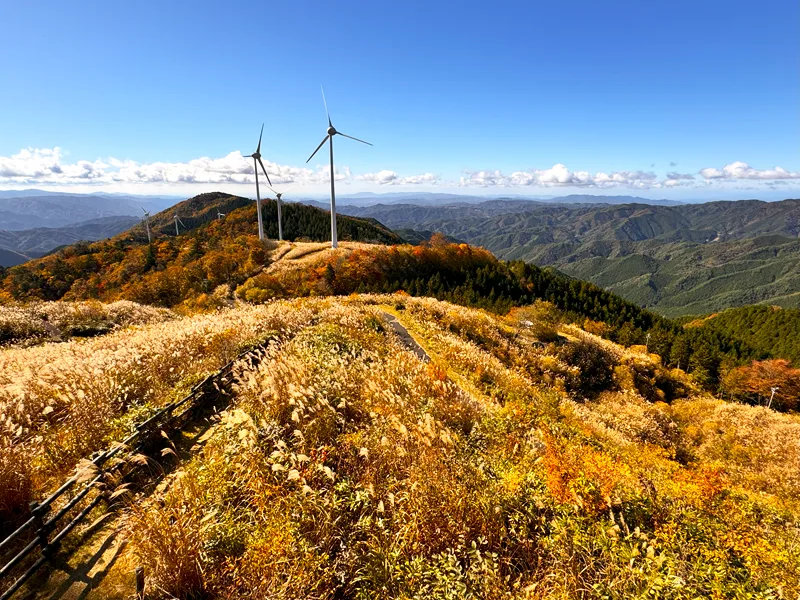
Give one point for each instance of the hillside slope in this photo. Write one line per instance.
(474, 277)
(507, 467)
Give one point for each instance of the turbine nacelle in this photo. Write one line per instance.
(332, 130)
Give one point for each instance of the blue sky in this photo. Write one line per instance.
(673, 99)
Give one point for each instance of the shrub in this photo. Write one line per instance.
(594, 365)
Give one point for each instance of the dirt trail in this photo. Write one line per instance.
(295, 255)
(407, 339)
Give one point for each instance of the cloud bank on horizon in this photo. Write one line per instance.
(47, 167)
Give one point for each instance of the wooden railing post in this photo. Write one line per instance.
(41, 529)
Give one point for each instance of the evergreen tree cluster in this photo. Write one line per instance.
(769, 329)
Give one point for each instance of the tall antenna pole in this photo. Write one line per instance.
(258, 204)
(334, 240)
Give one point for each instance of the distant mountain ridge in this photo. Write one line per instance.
(30, 209)
(687, 259)
(33, 243)
(9, 258)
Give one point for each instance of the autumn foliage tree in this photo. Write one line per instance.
(753, 383)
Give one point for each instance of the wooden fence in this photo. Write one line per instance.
(49, 530)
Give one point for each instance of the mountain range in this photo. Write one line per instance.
(33, 243)
(31, 209)
(687, 259)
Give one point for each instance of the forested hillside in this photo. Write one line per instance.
(208, 252)
(687, 259)
(765, 328)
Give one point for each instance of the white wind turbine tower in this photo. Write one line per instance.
(256, 156)
(178, 220)
(147, 223)
(220, 215)
(332, 132)
(278, 201)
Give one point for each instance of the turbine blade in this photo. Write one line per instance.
(352, 138)
(265, 171)
(271, 189)
(326, 106)
(287, 189)
(318, 147)
(258, 150)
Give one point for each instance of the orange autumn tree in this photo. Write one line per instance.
(754, 382)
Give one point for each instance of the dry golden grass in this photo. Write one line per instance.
(36, 321)
(348, 468)
(60, 402)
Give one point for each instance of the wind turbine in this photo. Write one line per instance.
(256, 156)
(332, 132)
(220, 215)
(178, 220)
(278, 200)
(147, 223)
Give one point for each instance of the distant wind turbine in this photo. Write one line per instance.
(256, 156)
(332, 132)
(278, 200)
(220, 215)
(147, 223)
(178, 220)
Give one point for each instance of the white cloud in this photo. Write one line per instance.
(558, 176)
(45, 166)
(386, 177)
(48, 167)
(741, 170)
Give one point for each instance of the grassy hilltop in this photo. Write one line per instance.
(527, 459)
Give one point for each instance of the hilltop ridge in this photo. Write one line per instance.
(208, 252)
(503, 456)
